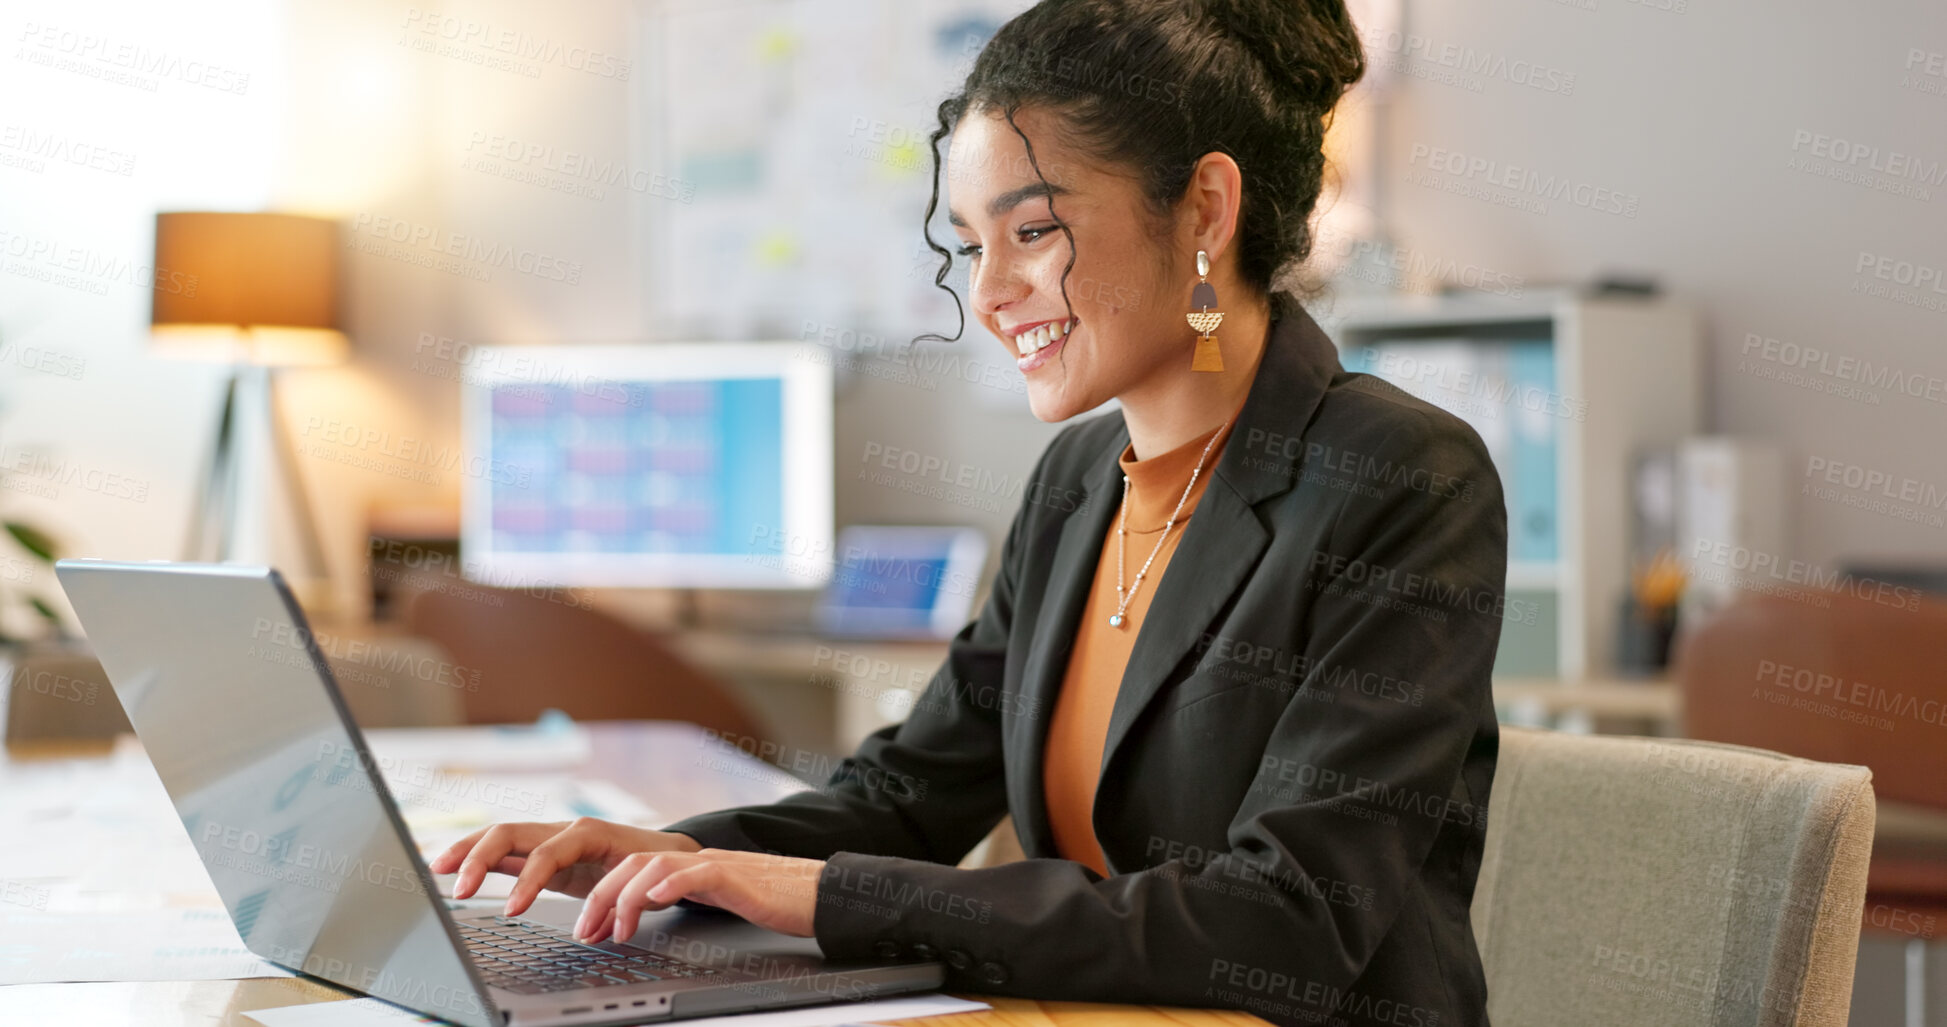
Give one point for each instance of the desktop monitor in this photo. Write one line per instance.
(700, 465)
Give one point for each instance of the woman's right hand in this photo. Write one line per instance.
(570, 858)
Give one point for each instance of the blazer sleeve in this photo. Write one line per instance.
(1314, 877)
(929, 788)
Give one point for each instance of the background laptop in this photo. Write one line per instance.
(237, 709)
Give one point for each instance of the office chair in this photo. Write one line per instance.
(1634, 881)
(539, 651)
(1861, 680)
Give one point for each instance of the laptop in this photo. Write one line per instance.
(238, 710)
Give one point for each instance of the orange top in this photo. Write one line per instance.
(1079, 726)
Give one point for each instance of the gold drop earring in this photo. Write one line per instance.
(1205, 320)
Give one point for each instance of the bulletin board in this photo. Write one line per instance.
(798, 132)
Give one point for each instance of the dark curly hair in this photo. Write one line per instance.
(1154, 85)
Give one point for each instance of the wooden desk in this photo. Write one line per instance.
(656, 761)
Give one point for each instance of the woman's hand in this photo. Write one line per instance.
(571, 858)
(778, 892)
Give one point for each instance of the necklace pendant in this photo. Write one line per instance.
(1115, 620)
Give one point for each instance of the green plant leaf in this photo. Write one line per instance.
(40, 606)
(33, 539)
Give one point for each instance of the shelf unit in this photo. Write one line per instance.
(1633, 363)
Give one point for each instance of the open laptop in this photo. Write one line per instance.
(236, 707)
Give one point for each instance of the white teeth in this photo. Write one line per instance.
(1041, 338)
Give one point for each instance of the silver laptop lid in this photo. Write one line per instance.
(236, 707)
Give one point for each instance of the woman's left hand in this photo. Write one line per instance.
(778, 892)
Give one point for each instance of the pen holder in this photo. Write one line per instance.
(1643, 637)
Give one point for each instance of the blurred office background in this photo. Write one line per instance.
(1705, 237)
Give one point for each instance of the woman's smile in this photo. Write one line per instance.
(1035, 343)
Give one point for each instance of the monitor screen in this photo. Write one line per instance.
(671, 465)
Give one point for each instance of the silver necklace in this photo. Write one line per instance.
(1124, 596)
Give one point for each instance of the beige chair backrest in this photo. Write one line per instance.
(1640, 881)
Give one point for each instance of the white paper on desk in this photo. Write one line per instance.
(546, 745)
(47, 947)
(368, 1012)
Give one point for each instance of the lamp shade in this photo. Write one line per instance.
(254, 288)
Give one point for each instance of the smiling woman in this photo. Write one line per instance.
(1220, 804)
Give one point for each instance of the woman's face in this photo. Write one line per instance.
(1122, 290)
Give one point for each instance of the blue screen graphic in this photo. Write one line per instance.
(675, 467)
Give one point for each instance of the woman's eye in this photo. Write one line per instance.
(968, 250)
(1031, 234)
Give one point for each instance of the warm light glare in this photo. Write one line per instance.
(263, 345)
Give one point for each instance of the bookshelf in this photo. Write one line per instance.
(1568, 389)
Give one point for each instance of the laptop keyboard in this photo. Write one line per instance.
(529, 958)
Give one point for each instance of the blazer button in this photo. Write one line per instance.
(887, 949)
(958, 959)
(993, 973)
(921, 950)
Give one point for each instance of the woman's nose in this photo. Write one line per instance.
(995, 283)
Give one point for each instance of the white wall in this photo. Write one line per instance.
(1695, 113)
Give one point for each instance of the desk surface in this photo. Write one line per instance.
(656, 761)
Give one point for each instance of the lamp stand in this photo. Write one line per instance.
(250, 392)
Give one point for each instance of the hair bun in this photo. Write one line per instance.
(1310, 47)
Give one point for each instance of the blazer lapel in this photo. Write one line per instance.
(1077, 552)
(1224, 537)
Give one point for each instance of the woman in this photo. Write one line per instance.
(1247, 751)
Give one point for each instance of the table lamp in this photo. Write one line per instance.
(259, 292)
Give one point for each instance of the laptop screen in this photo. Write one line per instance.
(219, 677)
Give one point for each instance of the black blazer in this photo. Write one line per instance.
(1293, 791)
